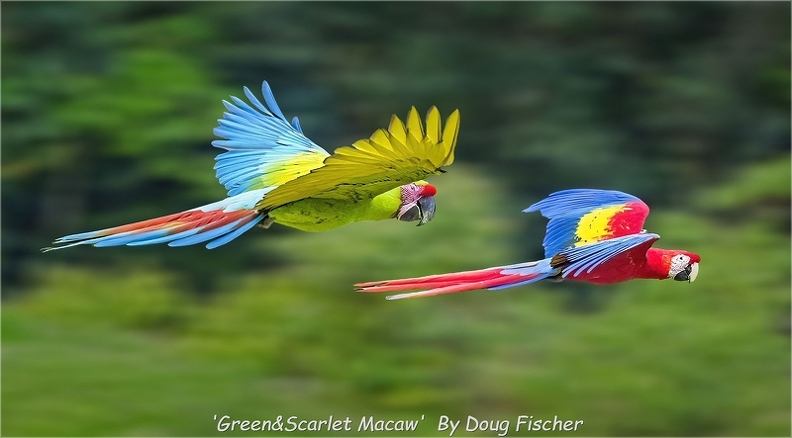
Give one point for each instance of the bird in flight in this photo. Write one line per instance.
(275, 174)
(593, 236)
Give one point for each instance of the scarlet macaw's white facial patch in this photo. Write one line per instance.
(678, 264)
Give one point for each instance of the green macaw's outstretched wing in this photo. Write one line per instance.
(263, 149)
(370, 167)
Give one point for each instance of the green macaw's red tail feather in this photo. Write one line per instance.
(218, 223)
(492, 278)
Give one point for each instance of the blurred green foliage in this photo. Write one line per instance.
(108, 111)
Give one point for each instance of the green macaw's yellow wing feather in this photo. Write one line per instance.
(403, 154)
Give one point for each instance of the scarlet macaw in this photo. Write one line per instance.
(275, 174)
(593, 236)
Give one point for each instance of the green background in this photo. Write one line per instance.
(107, 117)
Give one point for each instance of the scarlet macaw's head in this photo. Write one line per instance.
(679, 265)
(417, 202)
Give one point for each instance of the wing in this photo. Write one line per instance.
(582, 216)
(388, 159)
(264, 150)
(584, 259)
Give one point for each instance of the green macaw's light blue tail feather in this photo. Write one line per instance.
(218, 223)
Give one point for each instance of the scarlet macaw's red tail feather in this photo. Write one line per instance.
(501, 277)
(218, 223)
(429, 281)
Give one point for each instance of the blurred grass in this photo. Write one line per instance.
(86, 347)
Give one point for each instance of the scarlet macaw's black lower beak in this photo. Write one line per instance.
(688, 274)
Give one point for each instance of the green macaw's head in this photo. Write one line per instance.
(417, 202)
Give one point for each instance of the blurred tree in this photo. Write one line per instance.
(118, 100)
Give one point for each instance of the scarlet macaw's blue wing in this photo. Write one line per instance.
(580, 217)
(586, 258)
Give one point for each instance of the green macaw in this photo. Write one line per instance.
(275, 174)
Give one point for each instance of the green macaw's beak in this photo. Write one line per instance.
(426, 209)
(423, 211)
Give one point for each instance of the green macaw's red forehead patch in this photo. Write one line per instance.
(429, 190)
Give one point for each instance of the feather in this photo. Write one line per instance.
(450, 134)
(207, 234)
(589, 257)
(222, 240)
(219, 220)
(270, 99)
(433, 125)
(498, 278)
(397, 129)
(260, 142)
(296, 124)
(414, 126)
(583, 216)
(164, 239)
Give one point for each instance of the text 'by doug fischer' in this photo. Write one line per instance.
(502, 427)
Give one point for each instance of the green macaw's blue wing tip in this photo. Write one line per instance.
(258, 139)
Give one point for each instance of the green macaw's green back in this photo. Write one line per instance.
(315, 214)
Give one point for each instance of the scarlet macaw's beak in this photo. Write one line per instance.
(688, 274)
